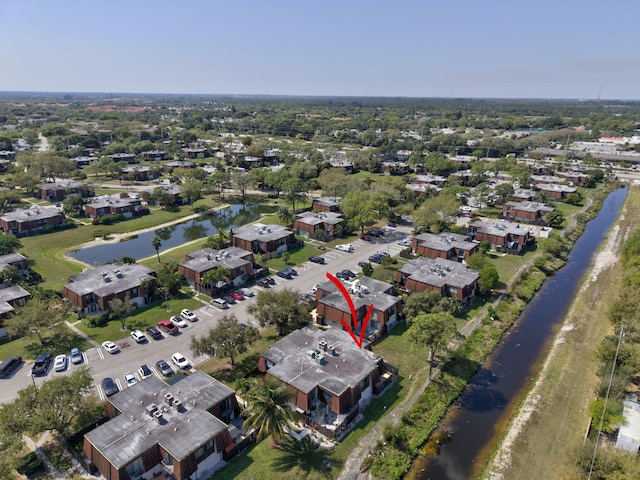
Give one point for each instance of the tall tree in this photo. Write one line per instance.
(267, 409)
(432, 330)
(281, 308)
(156, 243)
(227, 340)
(41, 317)
(362, 207)
(8, 243)
(242, 181)
(61, 404)
(213, 277)
(121, 308)
(192, 189)
(286, 216)
(169, 279)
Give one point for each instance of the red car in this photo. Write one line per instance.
(236, 296)
(365, 237)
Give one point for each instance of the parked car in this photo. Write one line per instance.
(219, 303)
(41, 365)
(284, 274)
(144, 371)
(264, 283)
(229, 299)
(348, 273)
(366, 238)
(180, 361)
(130, 379)
(109, 386)
(188, 315)
(271, 280)
(362, 264)
(110, 347)
(154, 333)
(405, 242)
(60, 363)
(316, 259)
(138, 336)
(76, 356)
(347, 247)
(247, 292)
(9, 365)
(391, 224)
(382, 254)
(164, 368)
(178, 322)
(306, 297)
(341, 275)
(237, 295)
(168, 327)
(292, 271)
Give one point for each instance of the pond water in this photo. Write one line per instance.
(471, 432)
(139, 246)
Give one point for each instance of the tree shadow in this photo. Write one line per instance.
(304, 457)
(480, 396)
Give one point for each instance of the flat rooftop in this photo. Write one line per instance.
(110, 278)
(310, 218)
(261, 232)
(445, 241)
(530, 206)
(31, 214)
(209, 258)
(499, 229)
(179, 430)
(440, 272)
(295, 366)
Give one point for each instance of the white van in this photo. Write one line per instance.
(219, 303)
(347, 247)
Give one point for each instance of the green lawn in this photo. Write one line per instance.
(47, 250)
(141, 319)
(28, 347)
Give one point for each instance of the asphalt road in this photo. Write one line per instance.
(132, 354)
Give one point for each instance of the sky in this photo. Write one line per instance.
(583, 49)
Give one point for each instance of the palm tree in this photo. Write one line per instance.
(267, 409)
(286, 216)
(156, 243)
(212, 277)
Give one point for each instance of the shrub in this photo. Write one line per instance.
(29, 464)
(97, 320)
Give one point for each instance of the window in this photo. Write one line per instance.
(364, 383)
(135, 469)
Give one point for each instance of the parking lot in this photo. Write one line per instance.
(132, 354)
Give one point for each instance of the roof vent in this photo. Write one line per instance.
(168, 398)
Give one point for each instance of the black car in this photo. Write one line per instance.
(306, 297)
(284, 274)
(229, 299)
(317, 259)
(375, 258)
(42, 363)
(271, 280)
(9, 365)
(154, 333)
(164, 368)
(362, 264)
(109, 386)
(264, 283)
(341, 275)
(348, 273)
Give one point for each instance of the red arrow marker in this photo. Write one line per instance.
(346, 295)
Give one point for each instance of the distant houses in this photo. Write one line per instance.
(502, 236)
(449, 246)
(56, 192)
(127, 207)
(526, 211)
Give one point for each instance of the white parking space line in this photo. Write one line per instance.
(155, 372)
(100, 354)
(119, 384)
(305, 266)
(85, 358)
(100, 392)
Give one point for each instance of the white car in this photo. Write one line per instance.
(178, 322)
(60, 363)
(144, 371)
(347, 247)
(138, 336)
(130, 379)
(188, 315)
(405, 242)
(247, 292)
(110, 347)
(180, 361)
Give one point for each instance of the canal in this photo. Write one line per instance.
(483, 411)
(139, 246)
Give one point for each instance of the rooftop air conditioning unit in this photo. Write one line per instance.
(168, 398)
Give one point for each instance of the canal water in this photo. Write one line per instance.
(139, 246)
(485, 407)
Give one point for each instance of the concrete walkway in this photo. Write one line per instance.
(74, 471)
